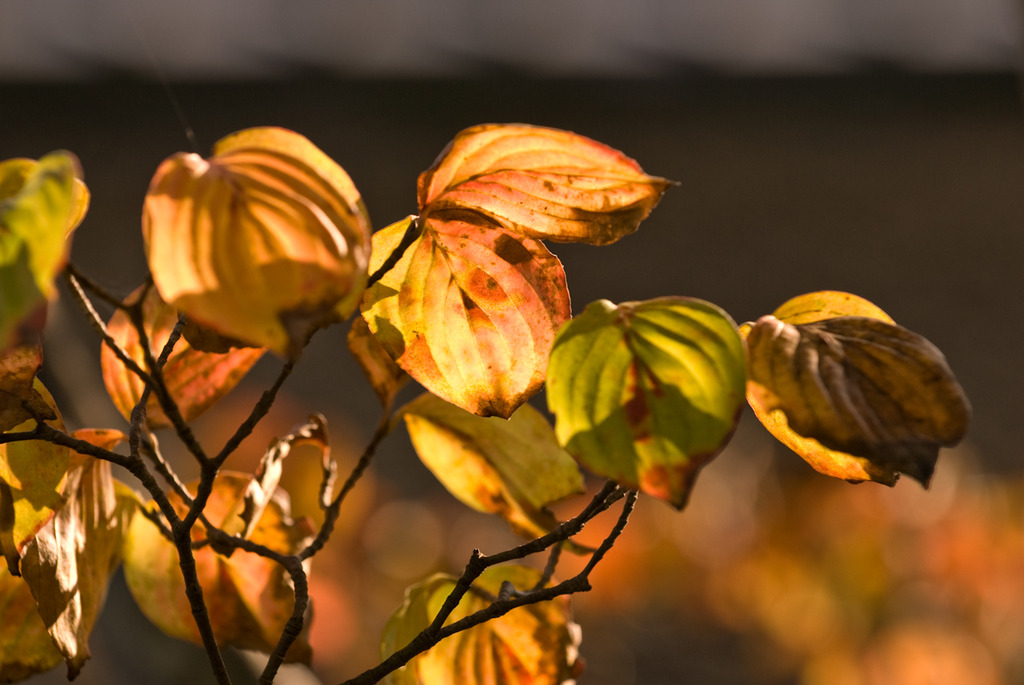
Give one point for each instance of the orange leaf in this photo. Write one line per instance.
(25, 647)
(469, 311)
(249, 597)
(542, 182)
(386, 377)
(264, 242)
(196, 380)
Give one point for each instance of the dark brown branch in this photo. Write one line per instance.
(437, 631)
(411, 234)
(72, 272)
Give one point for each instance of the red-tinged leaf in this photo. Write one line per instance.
(542, 182)
(32, 474)
(386, 377)
(533, 645)
(25, 647)
(469, 311)
(264, 242)
(19, 400)
(857, 396)
(68, 564)
(261, 488)
(648, 392)
(41, 203)
(249, 597)
(196, 380)
(514, 468)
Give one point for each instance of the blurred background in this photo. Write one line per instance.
(867, 146)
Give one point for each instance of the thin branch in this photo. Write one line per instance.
(72, 272)
(436, 632)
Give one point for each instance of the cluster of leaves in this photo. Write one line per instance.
(268, 241)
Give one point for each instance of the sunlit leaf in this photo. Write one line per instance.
(196, 380)
(40, 204)
(68, 564)
(858, 397)
(469, 311)
(32, 474)
(260, 490)
(541, 182)
(532, 645)
(386, 377)
(19, 400)
(25, 647)
(264, 242)
(647, 392)
(514, 468)
(249, 597)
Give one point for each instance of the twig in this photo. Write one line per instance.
(411, 234)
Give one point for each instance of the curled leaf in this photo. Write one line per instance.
(264, 242)
(880, 399)
(195, 379)
(541, 182)
(512, 468)
(249, 597)
(535, 644)
(469, 311)
(647, 392)
(68, 563)
(41, 202)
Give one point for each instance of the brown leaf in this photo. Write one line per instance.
(532, 645)
(68, 564)
(542, 182)
(469, 311)
(196, 380)
(249, 597)
(862, 386)
(19, 401)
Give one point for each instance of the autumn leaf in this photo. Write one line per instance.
(32, 474)
(69, 562)
(25, 647)
(858, 397)
(195, 380)
(514, 468)
(41, 202)
(385, 376)
(646, 393)
(264, 242)
(541, 182)
(531, 645)
(19, 400)
(249, 597)
(469, 311)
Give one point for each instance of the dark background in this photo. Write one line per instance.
(907, 189)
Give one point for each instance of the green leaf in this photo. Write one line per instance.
(858, 397)
(40, 204)
(514, 468)
(646, 393)
(469, 311)
(532, 645)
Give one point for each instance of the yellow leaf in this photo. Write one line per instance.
(386, 377)
(249, 597)
(264, 242)
(25, 647)
(532, 645)
(514, 468)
